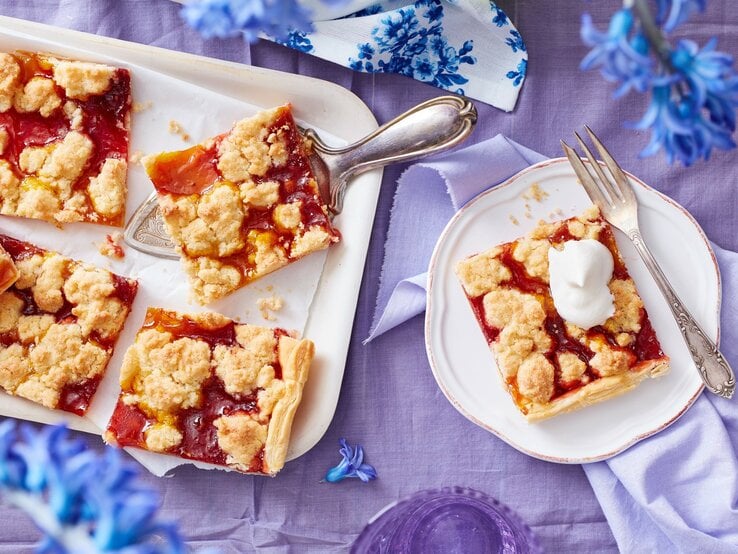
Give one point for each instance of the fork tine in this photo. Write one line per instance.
(623, 184)
(606, 186)
(585, 177)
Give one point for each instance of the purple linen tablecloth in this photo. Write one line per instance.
(389, 400)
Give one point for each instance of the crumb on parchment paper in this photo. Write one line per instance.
(111, 246)
(514, 220)
(135, 157)
(268, 305)
(139, 107)
(176, 129)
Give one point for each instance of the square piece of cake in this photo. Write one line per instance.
(58, 325)
(242, 204)
(64, 131)
(205, 388)
(548, 364)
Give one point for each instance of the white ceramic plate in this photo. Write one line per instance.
(317, 103)
(465, 368)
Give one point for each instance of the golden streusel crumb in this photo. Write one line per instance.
(112, 246)
(269, 305)
(535, 192)
(80, 80)
(139, 107)
(175, 128)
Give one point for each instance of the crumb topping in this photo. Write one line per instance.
(38, 95)
(173, 378)
(161, 437)
(628, 306)
(245, 151)
(108, 190)
(80, 80)
(241, 437)
(482, 273)
(9, 80)
(572, 367)
(211, 279)
(536, 378)
(11, 308)
(504, 305)
(607, 360)
(533, 254)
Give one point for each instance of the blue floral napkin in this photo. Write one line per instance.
(674, 492)
(468, 47)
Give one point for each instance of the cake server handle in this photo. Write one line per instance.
(428, 128)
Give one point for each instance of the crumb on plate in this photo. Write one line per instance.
(514, 220)
(535, 192)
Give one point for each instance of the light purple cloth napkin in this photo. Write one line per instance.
(428, 194)
(674, 492)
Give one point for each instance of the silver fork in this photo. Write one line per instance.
(619, 206)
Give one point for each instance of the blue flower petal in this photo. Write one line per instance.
(351, 465)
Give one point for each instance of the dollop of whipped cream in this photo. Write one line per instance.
(578, 276)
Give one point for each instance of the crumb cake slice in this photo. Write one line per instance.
(58, 326)
(549, 365)
(242, 204)
(64, 131)
(202, 387)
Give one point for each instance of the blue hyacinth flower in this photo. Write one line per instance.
(82, 502)
(229, 18)
(619, 57)
(352, 465)
(693, 90)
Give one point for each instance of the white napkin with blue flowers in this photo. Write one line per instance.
(468, 47)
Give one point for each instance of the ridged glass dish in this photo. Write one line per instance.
(450, 520)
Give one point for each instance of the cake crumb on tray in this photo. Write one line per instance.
(111, 246)
(175, 127)
(269, 305)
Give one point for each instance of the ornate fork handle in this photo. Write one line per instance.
(714, 369)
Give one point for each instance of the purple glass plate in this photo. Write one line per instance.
(447, 521)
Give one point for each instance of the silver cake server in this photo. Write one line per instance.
(431, 127)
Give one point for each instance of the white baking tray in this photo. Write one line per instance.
(336, 112)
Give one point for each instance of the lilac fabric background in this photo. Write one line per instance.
(389, 401)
